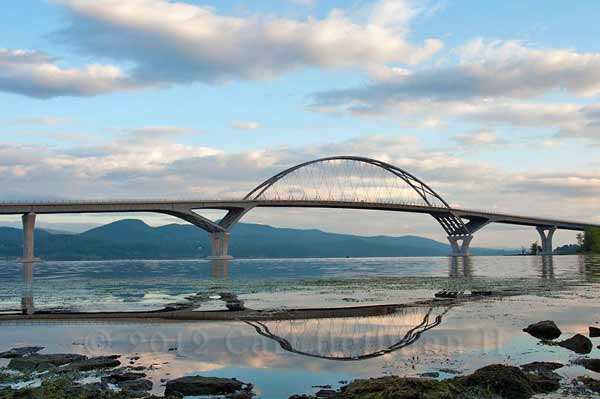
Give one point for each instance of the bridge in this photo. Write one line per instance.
(341, 182)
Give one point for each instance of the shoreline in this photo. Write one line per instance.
(188, 314)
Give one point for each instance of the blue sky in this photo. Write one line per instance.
(493, 103)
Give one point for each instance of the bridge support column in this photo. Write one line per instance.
(546, 234)
(28, 234)
(460, 245)
(220, 243)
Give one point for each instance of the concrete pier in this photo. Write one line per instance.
(546, 234)
(28, 238)
(460, 245)
(220, 243)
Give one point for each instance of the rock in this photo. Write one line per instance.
(120, 377)
(545, 381)
(590, 383)
(236, 305)
(240, 395)
(578, 343)
(431, 374)
(546, 329)
(398, 388)
(38, 363)
(93, 363)
(505, 382)
(594, 332)
(325, 393)
(20, 352)
(541, 366)
(198, 385)
(499, 380)
(135, 388)
(590, 364)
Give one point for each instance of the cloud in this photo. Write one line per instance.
(487, 70)
(479, 140)
(492, 82)
(176, 42)
(246, 125)
(129, 168)
(35, 74)
(154, 133)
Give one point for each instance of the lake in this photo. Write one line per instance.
(328, 351)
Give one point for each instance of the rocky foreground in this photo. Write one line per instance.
(32, 375)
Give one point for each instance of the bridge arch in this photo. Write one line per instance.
(347, 179)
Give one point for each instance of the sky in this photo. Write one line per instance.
(494, 104)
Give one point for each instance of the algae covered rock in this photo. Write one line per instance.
(39, 363)
(20, 352)
(398, 388)
(198, 385)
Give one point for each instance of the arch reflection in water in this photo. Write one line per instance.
(351, 338)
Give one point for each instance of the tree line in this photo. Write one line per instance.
(589, 241)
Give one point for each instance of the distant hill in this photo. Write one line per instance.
(134, 239)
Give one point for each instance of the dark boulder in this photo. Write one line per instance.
(398, 388)
(198, 385)
(498, 380)
(590, 383)
(120, 377)
(325, 393)
(135, 388)
(20, 352)
(578, 343)
(39, 363)
(590, 364)
(93, 363)
(506, 382)
(594, 332)
(541, 366)
(546, 329)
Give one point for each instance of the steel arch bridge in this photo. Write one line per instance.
(346, 182)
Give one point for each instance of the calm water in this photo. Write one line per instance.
(324, 351)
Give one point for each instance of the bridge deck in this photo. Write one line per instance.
(165, 206)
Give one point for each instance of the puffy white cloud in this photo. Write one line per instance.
(490, 83)
(487, 70)
(35, 74)
(180, 42)
(166, 42)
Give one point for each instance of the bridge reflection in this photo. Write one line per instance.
(27, 295)
(219, 269)
(460, 267)
(351, 338)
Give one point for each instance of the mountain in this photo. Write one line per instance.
(134, 239)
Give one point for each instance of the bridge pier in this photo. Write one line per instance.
(546, 234)
(28, 235)
(460, 245)
(220, 244)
